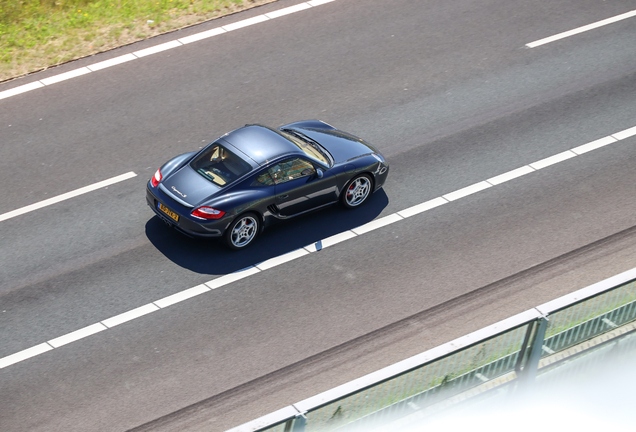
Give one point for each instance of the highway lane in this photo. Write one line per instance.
(182, 98)
(130, 261)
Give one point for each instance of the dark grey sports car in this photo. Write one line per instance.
(242, 181)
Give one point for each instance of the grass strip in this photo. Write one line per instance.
(37, 34)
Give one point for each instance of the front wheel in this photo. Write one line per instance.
(357, 191)
(242, 231)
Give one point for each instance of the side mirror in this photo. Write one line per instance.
(319, 173)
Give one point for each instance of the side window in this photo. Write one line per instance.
(290, 170)
(265, 179)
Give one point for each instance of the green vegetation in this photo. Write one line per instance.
(35, 34)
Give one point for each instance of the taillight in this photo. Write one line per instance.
(208, 213)
(156, 178)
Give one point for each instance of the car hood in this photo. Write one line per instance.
(341, 145)
(189, 186)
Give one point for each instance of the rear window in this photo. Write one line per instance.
(219, 165)
(310, 147)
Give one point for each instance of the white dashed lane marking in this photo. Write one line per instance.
(67, 195)
(585, 28)
(310, 249)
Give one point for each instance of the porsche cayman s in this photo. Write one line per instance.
(249, 177)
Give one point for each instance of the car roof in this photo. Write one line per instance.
(261, 143)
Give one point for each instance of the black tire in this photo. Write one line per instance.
(357, 191)
(242, 231)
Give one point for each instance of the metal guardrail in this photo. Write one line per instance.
(511, 349)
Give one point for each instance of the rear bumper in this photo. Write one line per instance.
(185, 225)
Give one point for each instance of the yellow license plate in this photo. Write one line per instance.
(166, 210)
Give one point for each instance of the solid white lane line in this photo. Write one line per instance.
(77, 335)
(66, 196)
(21, 89)
(625, 134)
(281, 259)
(203, 35)
(246, 22)
(157, 48)
(232, 277)
(287, 10)
(64, 76)
(502, 178)
(468, 190)
(594, 145)
(227, 279)
(419, 208)
(378, 223)
(330, 241)
(112, 62)
(24, 354)
(582, 29)
(130, 315)
(181, 296)
(553, 160)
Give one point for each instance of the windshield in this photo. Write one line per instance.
(219, 165)
(310, 147)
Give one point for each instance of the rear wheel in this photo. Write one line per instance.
(242, 231)
(357, 191)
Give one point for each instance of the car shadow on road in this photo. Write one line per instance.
(211, 256)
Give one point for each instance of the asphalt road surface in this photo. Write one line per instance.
(448, 91)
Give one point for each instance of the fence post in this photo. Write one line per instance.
(299, 423)
(536, 347)
(523, 355)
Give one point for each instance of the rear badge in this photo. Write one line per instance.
(182, 194)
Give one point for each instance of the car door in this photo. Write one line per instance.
(300, 188)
